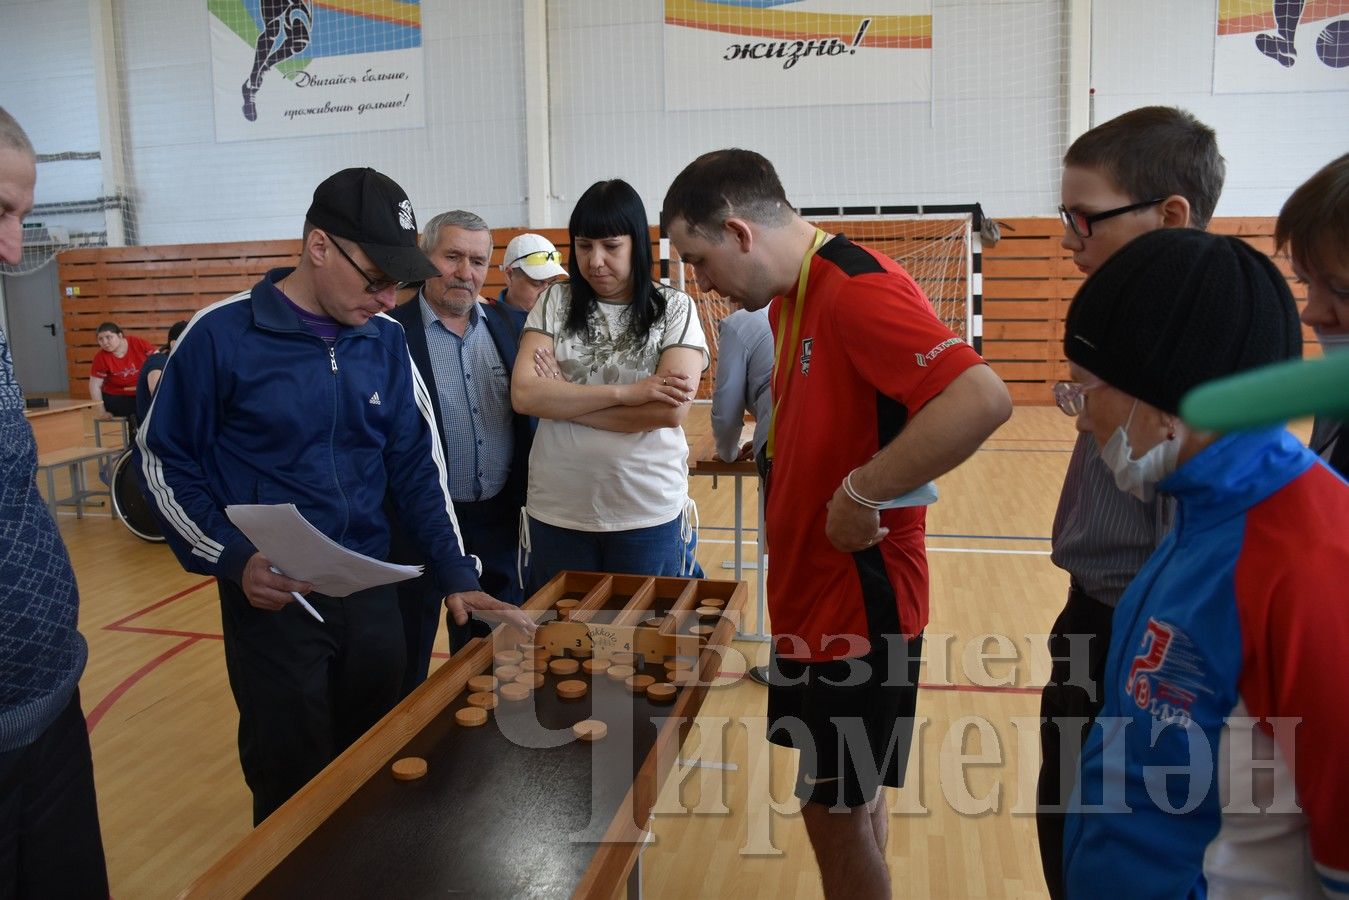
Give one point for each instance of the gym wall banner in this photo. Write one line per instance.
(739, 54)
(288, 68)
(1273, 46)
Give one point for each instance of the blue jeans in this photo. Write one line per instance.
(658, 550)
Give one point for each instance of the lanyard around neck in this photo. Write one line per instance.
(779, 367)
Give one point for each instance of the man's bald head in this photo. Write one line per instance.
(12, 135)
(18, 174)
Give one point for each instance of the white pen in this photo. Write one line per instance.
(299, 598)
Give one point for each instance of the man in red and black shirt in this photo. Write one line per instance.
(873, 397)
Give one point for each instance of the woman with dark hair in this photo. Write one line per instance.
(153, 369)
(609, 362)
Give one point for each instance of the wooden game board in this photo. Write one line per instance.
(516, 806)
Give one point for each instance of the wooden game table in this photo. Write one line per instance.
(517, 806)
(58, 425)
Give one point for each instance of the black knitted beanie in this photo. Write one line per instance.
(1177, 307)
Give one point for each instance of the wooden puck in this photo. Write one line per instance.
(514, 691)
(654, 622)
(590, 730)
(678, 662)
(530, 664)
(508, 658)
(506, 673)
(530, 648)
(622, 658)
(483, 700)
(564, 608)
(574, 689)
(702, 631)
(619, 673)
(482, 683)
(683, 677)
(714, 601)
(708, 612)
(639, 683)
(409, 768)
(595, 666)
(661, 692)
(563, 666)
(471, 716)
(531, 680)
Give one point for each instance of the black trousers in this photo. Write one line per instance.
(491, 531)
(306, 690)
(1070, 703)
(123, 405)
(50, 845)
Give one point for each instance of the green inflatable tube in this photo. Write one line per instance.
(1270, 394)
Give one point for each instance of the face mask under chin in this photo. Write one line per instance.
(1139, 476)
(1332, 342)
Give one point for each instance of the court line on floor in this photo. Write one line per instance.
(930, 535)
(990, 551)
(926, 686)
(98, 712)
(989, 537)
(117, 625)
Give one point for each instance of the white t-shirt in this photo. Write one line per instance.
(588, 479)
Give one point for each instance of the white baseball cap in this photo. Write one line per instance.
(534, 255)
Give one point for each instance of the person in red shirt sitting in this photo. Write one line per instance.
(116, 366)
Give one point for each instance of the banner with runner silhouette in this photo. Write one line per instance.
(285, 68)
(742, 54)
(1272, 46)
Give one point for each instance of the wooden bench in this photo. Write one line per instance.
(73, 460)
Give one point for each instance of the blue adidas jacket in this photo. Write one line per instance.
(253, 407)
(1233, 636)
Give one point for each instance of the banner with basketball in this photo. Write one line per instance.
(739, 54)
(1268, 46)
(288, 68)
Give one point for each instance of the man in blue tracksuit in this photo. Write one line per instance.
(301, 391)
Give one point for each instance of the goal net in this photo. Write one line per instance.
(940, 249)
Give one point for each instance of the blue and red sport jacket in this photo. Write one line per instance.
(1217, 765)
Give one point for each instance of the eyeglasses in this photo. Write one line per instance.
(537, 258)
(1071, 396)
(372, 285)
(1081, 223)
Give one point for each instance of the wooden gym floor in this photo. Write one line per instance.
(172, 799)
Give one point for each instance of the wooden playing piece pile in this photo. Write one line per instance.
(638, 645)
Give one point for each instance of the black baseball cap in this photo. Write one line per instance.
(368, 207)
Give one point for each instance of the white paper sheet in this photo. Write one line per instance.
(300, 551)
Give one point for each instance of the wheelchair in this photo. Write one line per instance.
(129, 504)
